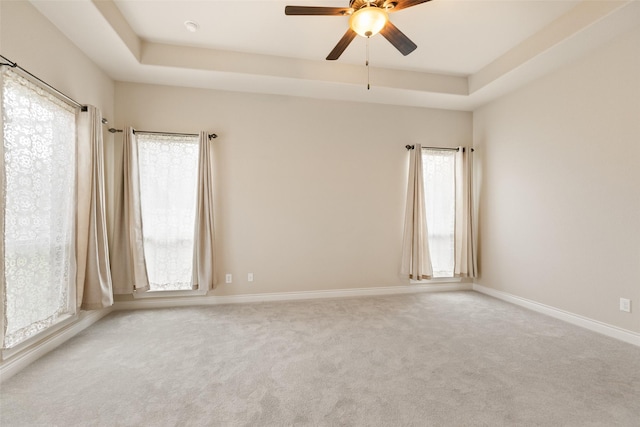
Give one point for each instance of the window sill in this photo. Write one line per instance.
(18, 357)
(436, 281)
(169, 294)
(40, 337)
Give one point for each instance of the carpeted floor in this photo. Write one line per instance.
(431, 359)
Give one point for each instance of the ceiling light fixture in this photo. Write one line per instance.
(368, 20)
(191, 26)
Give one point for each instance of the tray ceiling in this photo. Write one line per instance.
(468, 52)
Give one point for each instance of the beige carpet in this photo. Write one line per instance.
(437, 359)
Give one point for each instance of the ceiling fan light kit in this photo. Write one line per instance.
(367, 18)
(368, 21)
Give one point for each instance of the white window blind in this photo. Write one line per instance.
(168, 167)
(39, 135)
(440, 203)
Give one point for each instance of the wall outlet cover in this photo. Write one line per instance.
(625, 305)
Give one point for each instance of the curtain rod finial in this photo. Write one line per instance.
(409, 147)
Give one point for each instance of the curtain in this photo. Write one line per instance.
(204, 272)
(439, 173)
(93, 275)
(38, 208)
(168, 175)
(3, 275)
(156, 216)
(129, 269)
(416, 262)
(465, 252)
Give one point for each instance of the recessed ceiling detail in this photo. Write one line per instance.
(470, 51)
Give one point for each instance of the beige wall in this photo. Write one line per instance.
(559, 168)
(310, 194)
(31, 40)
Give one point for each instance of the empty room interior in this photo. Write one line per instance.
(333, 212)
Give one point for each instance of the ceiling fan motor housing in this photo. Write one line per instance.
(383, 4)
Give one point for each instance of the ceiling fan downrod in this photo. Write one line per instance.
(367, 65)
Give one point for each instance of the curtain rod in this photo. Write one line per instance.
(211, 135)
(58, 92)
(411, 147)
(82, 107)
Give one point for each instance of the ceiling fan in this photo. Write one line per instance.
(366, 18)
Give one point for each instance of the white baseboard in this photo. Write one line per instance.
(575, 319)
(15, 363)
(286, 296)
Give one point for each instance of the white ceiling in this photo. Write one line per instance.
(469, 51)
(458, 37)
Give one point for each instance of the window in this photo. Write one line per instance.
(439, 174)
(168, 170)
(39, 204)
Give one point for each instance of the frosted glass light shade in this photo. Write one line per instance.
(368, 21)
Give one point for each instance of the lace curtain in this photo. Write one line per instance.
(440, 203)
(168, 170)
(39, 173)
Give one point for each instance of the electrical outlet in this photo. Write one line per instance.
(250, 277)
(228, 278)
(625, 305)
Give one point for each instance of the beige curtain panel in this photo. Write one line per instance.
(129, 269)
(465, 247)
(416, 261)
(93, 274)
(128, 256)
(204, 272)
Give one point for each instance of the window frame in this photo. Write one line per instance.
(159, 293)
(452, 278)
(34, 340)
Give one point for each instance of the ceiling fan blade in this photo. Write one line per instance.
(398, 39)
(342, 45)
(403, 4)
(317, 10)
